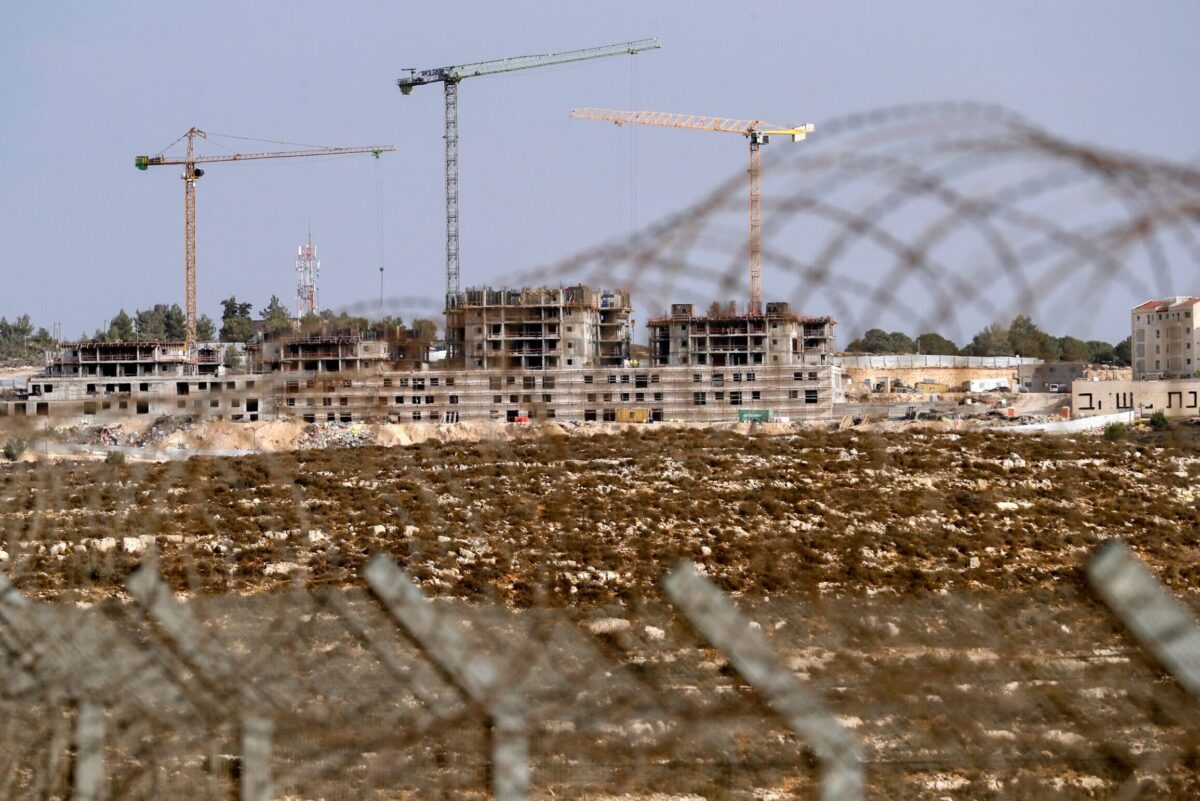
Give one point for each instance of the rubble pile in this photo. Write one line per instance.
(335, 435)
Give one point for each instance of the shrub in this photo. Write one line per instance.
(13, 449)
(1114, 432)
(115, 457)
(1159, 421)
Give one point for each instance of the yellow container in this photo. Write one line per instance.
(633, 415)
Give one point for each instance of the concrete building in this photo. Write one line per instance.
(720, 339)
(1174, 397)
(1050, 376)
(633, 394)
(540, 328)
(132, 359)
(320, 353)
(1166, 338)
(231, 397)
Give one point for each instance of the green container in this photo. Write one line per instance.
(755, 415)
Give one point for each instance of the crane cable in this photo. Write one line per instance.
(633, 163)
(379, 230)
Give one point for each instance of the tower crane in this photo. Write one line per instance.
(191, 172)
(450, 77)
(756, 132)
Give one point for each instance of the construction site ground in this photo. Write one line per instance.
(182, 436)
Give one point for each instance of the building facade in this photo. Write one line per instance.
(133, 359)
(540, 328)
(776, 338)
(1050, 376)
(1166, 338)
(320, 353)
(614, 394)
(1173, 397)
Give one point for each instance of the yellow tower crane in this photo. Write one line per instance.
(191, 172)
(756, 131)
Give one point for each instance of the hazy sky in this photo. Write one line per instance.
(86, 86)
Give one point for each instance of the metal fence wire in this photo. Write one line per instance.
(661, 615)
(384, 693)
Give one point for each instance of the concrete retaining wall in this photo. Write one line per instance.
(1078, 424)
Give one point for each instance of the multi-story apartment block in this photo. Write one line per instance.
(1166, 338)
(719, 339)
(541, 328)
(133, 359)
(320, 353)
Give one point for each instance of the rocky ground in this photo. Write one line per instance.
(593, 520)
(926, 582)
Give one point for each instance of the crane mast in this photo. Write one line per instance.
(191, 172)
(757, 132)
(450, 77)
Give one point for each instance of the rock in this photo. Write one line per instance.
(104, 544)
(609, 625)
(58, 549)
(654, 633)
(379, 530)
(132, 545)
(281, 569)
(1007, 506)
(316, 536)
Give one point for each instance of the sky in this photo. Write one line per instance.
(89, 85)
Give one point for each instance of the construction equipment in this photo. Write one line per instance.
(450, 77)
(756, 131)
(191, 172)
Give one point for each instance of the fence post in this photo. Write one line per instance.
(475, 675)
(210, 659)
(720, 622)
(88, 769)
(89, 752)
(1143, 604)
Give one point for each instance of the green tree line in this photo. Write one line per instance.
(1021, 337)
(20, 342)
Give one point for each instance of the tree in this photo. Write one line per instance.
(876, 340)
(1029, 340)
(175, 323)
(991, 341)
(425, 330)
(18, 340)
(1100, 352)
(206, 331)
(235, 320)
(149, 324)
(936, 345)
(311, 323)
(277, 318)
(121, 328)
(1123, 352)
(1073, 350)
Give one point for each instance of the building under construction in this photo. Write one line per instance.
(613, 394)
(133, 359)
(723, 338)
(535, 329)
